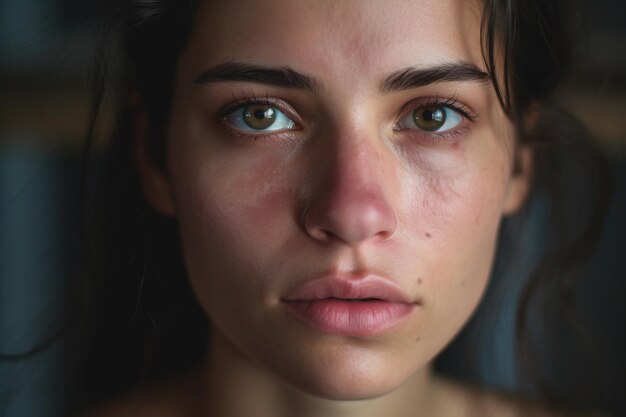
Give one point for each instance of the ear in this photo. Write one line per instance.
(153, 179)
(520, 182)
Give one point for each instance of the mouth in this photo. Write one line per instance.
(340, 305)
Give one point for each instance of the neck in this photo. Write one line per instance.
(237, 386)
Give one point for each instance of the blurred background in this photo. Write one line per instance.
(45, 50)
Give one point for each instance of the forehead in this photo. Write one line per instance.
(338, 38)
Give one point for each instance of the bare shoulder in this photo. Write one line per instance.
(176, 397)
(479, 402)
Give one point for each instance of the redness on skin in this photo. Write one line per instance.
(350, 189)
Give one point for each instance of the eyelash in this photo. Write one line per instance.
(251, 99)
(245, 100)
(451, 103)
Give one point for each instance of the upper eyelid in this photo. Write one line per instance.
(452, 103)
(236, 104)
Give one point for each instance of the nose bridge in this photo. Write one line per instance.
(354, 169)
(351, 201)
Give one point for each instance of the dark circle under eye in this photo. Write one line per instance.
(429, 119)
(259, 116)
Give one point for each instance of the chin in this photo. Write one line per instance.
(359, 379)
(348, 392)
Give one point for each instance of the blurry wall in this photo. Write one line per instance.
(45, 47)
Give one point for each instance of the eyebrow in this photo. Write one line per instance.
(404, 79)
(279, 77)
(409, 78)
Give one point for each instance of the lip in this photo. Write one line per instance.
(350, 305)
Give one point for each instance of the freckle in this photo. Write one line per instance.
(428, 235)
(418, 339)
(463, 283)
(419, 281)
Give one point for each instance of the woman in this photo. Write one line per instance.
(336, 174)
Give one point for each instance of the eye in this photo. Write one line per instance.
(437, 118)
(260, 117)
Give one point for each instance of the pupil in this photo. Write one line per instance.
(261, 114)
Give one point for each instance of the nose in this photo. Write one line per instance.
(349, 202)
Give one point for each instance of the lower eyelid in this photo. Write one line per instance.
(447, 136)
(250, 137)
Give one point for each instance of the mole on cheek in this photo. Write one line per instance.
(419, 281)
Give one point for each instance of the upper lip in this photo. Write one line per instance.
(350, 287)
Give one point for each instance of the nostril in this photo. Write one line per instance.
(350, 220)
(320, 234)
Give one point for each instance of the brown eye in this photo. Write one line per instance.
(260, 117)
(433, 118)
(429, 119)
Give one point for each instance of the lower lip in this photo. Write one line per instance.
(350, 318)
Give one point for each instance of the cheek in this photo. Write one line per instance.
(455, 216)
(454, 192)
(231, 220)
(459, 226)
(261, 201)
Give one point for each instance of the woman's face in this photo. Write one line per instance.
(326, 152)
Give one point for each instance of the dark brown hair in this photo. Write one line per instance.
(144, 320)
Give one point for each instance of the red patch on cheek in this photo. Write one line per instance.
(261, 199)
(269, 208)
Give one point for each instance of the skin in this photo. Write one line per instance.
(345, 191)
